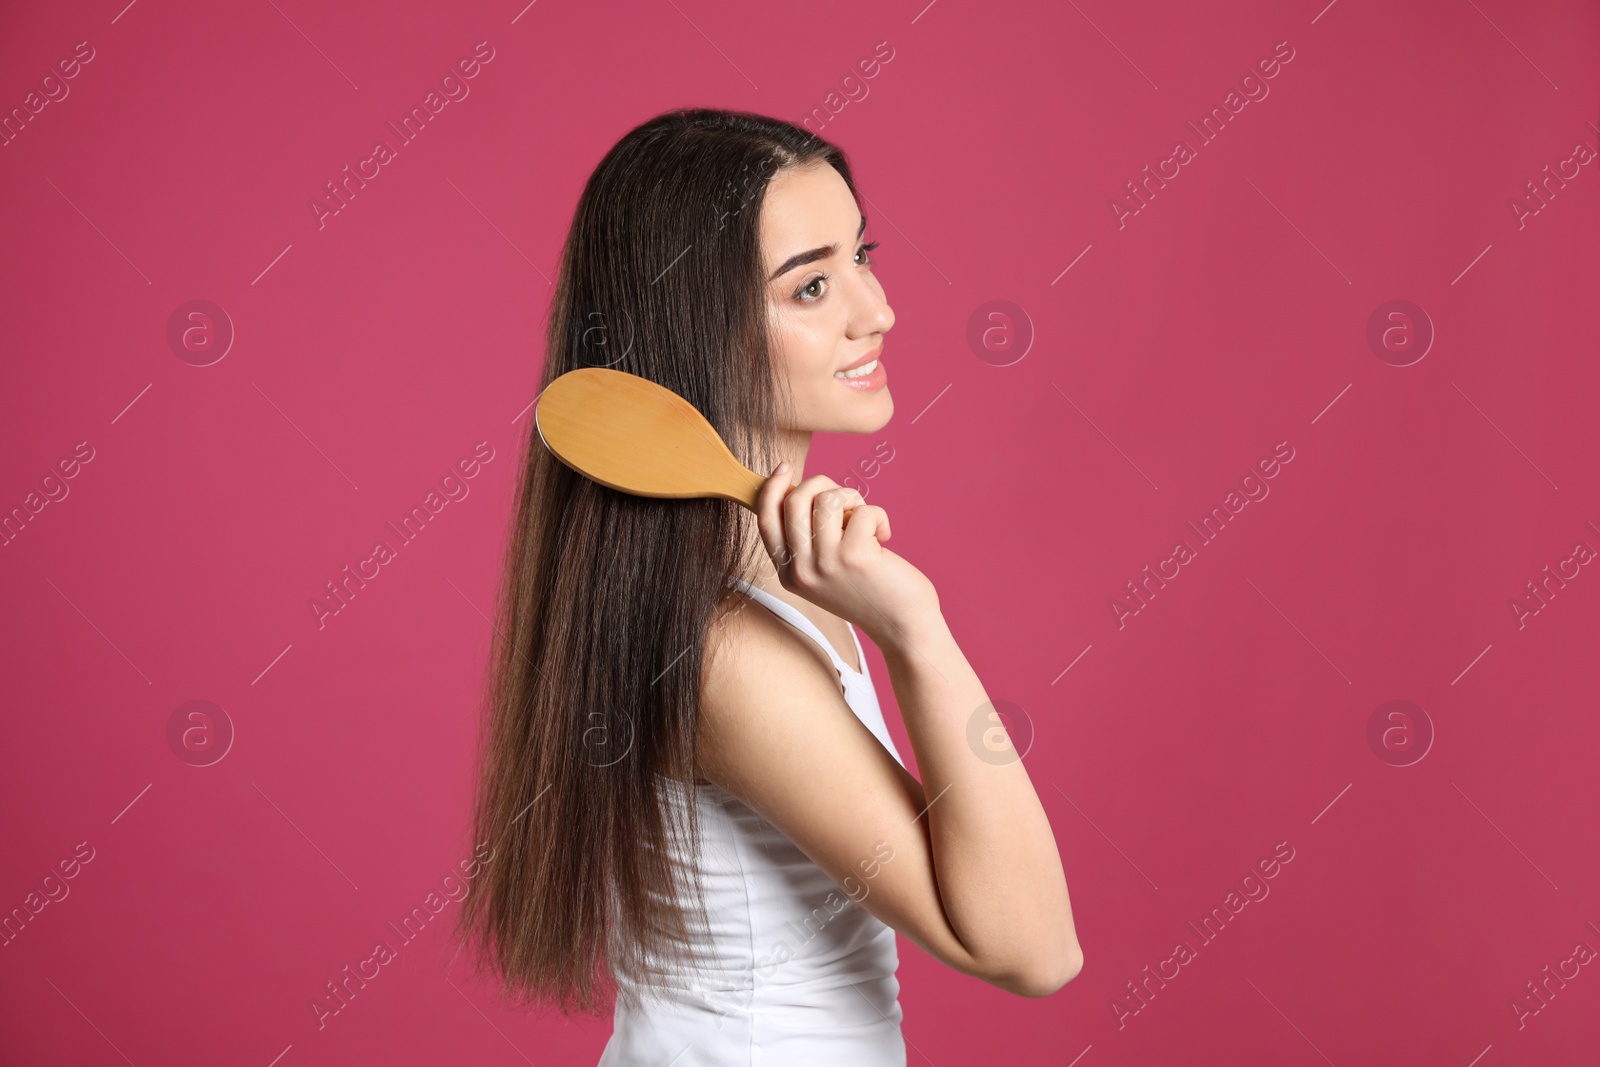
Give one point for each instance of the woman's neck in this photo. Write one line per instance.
(793, 446)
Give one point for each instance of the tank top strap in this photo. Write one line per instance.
(790, 614)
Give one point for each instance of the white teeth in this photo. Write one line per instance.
(860, 372)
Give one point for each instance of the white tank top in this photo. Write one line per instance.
(794, 973)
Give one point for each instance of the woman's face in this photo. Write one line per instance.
(826, 311)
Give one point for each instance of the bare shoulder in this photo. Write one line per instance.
(766, 685)
(747, 634)
(750, 654)
(774, 724)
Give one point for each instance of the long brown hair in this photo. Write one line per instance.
(606, 598)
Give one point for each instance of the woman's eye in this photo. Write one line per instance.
(810, 287)
(822, 279)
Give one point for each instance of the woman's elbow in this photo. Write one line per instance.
(1043, 976)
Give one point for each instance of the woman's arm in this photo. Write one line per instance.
(973, 874)
(999, 872)
(974, 878)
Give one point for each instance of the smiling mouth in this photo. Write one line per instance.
(857, 372)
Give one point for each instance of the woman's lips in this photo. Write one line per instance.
(866, 383)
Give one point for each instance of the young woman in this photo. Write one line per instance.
(687, 782)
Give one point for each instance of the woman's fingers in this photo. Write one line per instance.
(769, 517)
(796, 509)
(804, 528)
(827, 522)
(866, 531)
(797, 525)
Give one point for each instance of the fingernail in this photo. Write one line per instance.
(783, 468)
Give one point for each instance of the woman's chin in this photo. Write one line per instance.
(868, 413)
(872, 414)
(888, 412)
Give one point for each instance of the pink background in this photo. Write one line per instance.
(1230, 313)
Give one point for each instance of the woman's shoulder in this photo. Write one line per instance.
(751, 656)
(746, 636)
(739, 633)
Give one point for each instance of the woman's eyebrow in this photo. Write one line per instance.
(800, 259)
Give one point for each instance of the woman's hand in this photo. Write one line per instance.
(842, 566)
